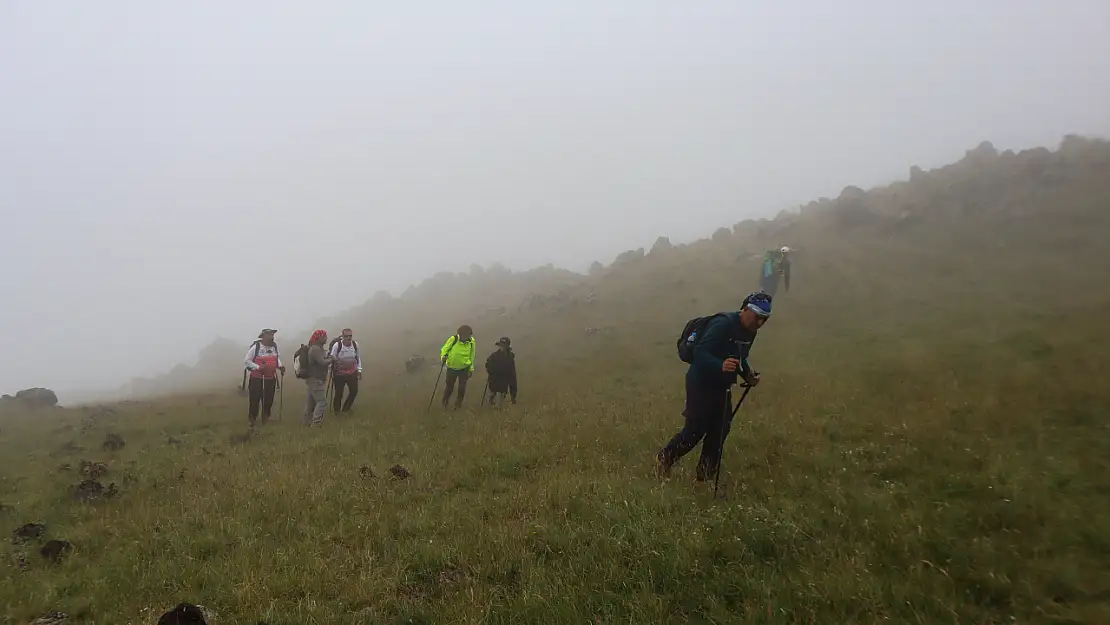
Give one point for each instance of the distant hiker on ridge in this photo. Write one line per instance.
(458, 355)
(501, 369)
(346, 370)
(718, 357)
(263, 362)
(313, 363)
(775, 265)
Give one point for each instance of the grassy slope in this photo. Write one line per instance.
(929, 445)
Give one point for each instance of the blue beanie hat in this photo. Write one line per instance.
(759, 302)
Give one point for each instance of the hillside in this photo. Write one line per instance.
(981, 210)
(929, 443)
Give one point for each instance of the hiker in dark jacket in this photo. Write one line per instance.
(317, 362)
(501, 369)
(720, 358)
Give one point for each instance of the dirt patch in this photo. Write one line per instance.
(28, 532)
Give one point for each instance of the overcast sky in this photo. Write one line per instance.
(173, 171)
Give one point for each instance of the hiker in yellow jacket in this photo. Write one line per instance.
(458, 355)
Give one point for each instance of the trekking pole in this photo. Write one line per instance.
(442, 364)
(281, 395)
(721, 450)
(484, 391)
(329, 390)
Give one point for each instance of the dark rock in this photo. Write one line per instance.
(55, 550)
(662, 244)
(92, 490)
(366, 471)
(29, 531)
(184, 614)
(399, 472)
(113, 442)
(33, 398)
(51, 618)
(174, 442)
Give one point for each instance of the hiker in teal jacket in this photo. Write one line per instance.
(458, 355)
(775, 265)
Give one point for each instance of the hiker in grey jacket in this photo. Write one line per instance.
(316, 364)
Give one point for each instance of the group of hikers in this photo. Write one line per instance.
(715, 347)
(335, 368)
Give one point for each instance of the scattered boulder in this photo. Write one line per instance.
(55, 550)
(399, 472)
(28, 532)
(113, 442)
(51, 618)
(93, 470)
(32, 398)
(414, 363)
(366, 472)
(92, 490)
(662, 244)
(174, 442)
(184, 614)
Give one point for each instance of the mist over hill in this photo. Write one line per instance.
(989, 208)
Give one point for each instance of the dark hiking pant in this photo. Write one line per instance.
(460, 376)
(501, 387)
(261, 392)
(707, 411)
(339, 382)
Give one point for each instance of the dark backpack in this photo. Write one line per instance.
(691, 334)
(300, 367)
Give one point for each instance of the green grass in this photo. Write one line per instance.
(929, 444)
(888, 489)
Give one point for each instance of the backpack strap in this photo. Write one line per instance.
(257, 346)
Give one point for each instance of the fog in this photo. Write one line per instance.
(170, 172)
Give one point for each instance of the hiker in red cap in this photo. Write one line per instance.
(312, 367)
